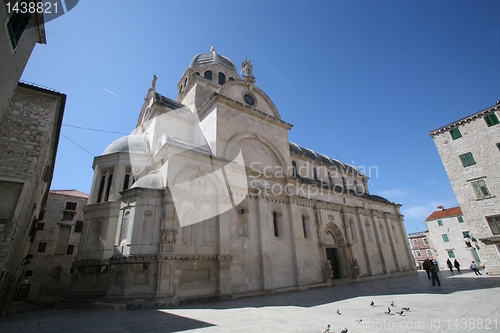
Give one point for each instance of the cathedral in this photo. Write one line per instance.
(208, 200)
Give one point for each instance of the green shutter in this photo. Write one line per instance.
(455, 133)
(460, 219)
(467, 159)
(451, 254)
(445, 237)
(440, 223)
(491, 119)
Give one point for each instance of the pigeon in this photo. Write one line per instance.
(392, 304)
(338, 312)
(344, 330)
(372, 303)
(406, 309)
(388, 311)
(400, 313)
(327, 329)
(359, 321)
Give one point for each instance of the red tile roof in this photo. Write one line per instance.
(72, 193)
(442, 213)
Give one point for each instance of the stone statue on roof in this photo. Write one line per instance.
(247, 68)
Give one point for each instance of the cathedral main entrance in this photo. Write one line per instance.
(332, 257)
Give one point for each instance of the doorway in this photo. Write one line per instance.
(332, 256)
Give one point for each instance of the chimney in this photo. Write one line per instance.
(440, 207)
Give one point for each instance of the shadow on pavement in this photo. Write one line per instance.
(413, 284)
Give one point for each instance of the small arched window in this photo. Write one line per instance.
(344, 183)
(222, 78)
(231, 79)
(330, 180)
(294, 168)
(208, 75)
(315, 173)
(304, 226)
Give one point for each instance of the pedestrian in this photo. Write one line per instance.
(450, 265)
(427, 266)
(434, 273)
(457, 265)
(473, 266)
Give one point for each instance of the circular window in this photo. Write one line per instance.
(249, 99)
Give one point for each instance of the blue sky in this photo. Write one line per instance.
(363, 81)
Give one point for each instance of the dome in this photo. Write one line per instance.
(135, 143)
(153, 181)
(212, 58)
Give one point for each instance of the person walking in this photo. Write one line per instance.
(427, 266)
(473, 266)
(434, 274)
(450, 265)
(457, 265)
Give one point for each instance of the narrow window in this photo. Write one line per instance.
(304, 226)
(467, 159)
(498, 146)
(429, 252)
(79, 226)
(344, 184)
(330, 180)
(426, 242)
(451, 254)
(480, 189)
(222, 78)
(415, 242)
(294, 168)
(101, 189)
(460, 219)
(16, 26)
(126, 181)
(28, 273)
(455, 133)
(445, 238)
(41, 247)
(418, 253)
(108, 188)
(275, 224)
(440, 223)
(70, 249)
(40, 226)
(315, 174)
(208, 75)
(491, 119)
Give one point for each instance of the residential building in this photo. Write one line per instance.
(451, 237)
(420, 247)
(470, 151)
(209, 200)
(21, 32)
(48, 269)
(29, 136)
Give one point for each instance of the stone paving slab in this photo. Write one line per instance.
(463, 303)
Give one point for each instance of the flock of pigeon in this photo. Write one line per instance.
(359, 321)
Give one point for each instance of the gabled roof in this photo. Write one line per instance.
(71, 193)
(442, 213)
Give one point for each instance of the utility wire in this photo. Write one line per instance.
(94, 129)
(76, 144)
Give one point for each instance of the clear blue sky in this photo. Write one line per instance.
(363, 81)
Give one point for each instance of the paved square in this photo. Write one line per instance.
(463, 303)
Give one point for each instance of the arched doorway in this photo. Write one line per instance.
(336, 251)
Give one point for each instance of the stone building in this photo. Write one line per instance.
(420, 247)
(209, 200)
(450, 236)
(19, 34)
(48, 270)
(29, 135)
(470, 151)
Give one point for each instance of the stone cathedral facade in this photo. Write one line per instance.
(209, 200)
